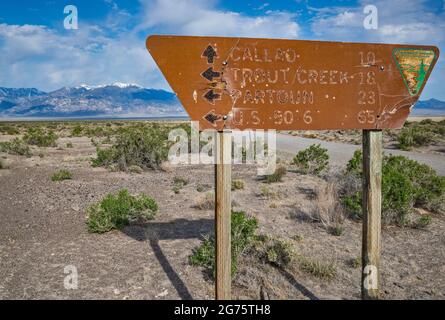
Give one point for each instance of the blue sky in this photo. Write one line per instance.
(109, 45)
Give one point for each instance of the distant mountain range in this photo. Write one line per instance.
(431, 104)
(115, 100)
(431, 107)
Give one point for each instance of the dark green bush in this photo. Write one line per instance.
(144, 146)
(115, 212)
(397, 199)
(414, 137)
(243, 231)
(405, 184)
(353, 203)
(104, 157)
(10, 130)
(313, 160)
(428, 188)
(39, 137)
(355, 165)
(416, 134)
(77, 131)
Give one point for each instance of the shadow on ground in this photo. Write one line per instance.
(181, 229)
(177, 229)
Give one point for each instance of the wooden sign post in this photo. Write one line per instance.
(223, 211)
(372, 208)
(241, 83)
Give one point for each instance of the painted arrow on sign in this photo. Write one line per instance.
(209, 53)
(209, 74)
(294, 84)
(212, 117)
(211, 96)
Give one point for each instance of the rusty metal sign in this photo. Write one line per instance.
(240, 83)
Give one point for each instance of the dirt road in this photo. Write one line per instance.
(340, 153)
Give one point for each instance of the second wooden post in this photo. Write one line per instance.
(223, 185)
(372, 208)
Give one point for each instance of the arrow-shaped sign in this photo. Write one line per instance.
(294, 84)
(209, 74)
(211, 96)
(209, 53)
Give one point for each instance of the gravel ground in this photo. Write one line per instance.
(43, 231)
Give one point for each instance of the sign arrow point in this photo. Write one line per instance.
(212, 117)
(209, 53)
(209, 74)
(211, 96)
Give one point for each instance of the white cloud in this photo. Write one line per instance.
(410, 32)
(114, 49)
(201, 18)
(35, 56)
(340, 25)
(399, 21)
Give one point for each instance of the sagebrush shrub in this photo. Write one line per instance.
(274, 250)
(9, 130)
(179, 183)
(237, 184)
(243, 231)
(77, 131)
(416, 134)
(39, 137)
(116, 211)
(144, 146)
(16, 147)
(312, 160)
(414, 137)
(405, 184)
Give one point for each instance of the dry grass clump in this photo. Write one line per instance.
(206, 202)
(327, 209)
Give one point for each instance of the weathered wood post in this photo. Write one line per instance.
(372, 207)
(223, 185)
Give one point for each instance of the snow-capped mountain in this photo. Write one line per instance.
(114, 100)
(118, 99)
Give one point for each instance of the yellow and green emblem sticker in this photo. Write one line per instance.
(413, 65)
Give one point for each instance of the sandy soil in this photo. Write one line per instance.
(43, 231)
